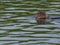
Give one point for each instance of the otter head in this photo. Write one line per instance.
(42, 15)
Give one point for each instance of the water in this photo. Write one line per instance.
(18, 25)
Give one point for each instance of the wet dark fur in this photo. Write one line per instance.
(41, 20)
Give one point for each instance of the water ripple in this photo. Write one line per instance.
(18, 25)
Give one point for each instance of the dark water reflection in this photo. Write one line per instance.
(18, 25)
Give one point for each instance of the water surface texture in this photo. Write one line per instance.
(18, 25)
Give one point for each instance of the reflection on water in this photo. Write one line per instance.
(18, 25)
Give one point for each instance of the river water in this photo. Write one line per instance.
(18, 25)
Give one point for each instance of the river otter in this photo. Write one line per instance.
(41, 17)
